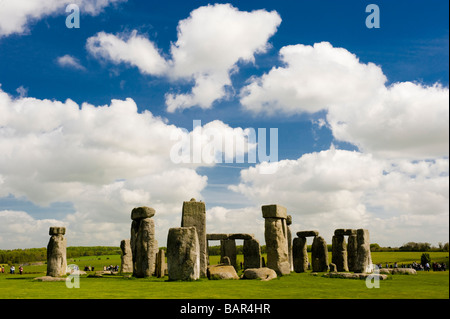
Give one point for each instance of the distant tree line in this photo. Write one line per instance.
(17, 256)
(411, 246)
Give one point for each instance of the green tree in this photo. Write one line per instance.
(425, 258)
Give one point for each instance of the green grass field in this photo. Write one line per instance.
(424, 285)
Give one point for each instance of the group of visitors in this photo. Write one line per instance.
(417, 266)
(111, 268)
(12, 269)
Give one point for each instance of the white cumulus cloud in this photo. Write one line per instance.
(210, 43)
(400, 120)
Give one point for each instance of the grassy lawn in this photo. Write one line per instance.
(425, 285)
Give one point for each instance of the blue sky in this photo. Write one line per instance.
(362, 138)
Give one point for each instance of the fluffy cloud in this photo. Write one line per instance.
(69, 62)
(342, 189)
(131, 49)
(402, 120)
(210, 43)
(15, 16)
(104, 160)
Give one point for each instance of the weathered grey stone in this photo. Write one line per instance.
(160, 263)
(300, 254)
(346, 275)
(57, 231)
(252, 253)
(142, 213)
(126, 257)
(56, 253)
(308, 233)
(339, 253)
(216, 236)
(363, 257)
(228, 248)
(289, 220)
(144, 247)
(194, 214)
(345, 232)
(225, 260)
(240, 236)
(215, 272)
(274, 211)
(289, 242)
(319, 255)
(183, 254)
(276, 245)
(264, 274)
(352, 251)
(333, 268)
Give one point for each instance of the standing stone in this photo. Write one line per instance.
(300, 254)
(127, 257)
(252, 253)
(289, 241)
(363, 257)
(194, 214)
(275, 234)
(160, 264)
(319, 255)
(183, 254)
(228, 249)
(143, 243)
(56, 252)
(339, 253)
(352, 249)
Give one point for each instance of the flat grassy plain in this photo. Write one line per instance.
(424, 285)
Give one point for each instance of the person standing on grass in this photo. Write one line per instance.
(20, 269)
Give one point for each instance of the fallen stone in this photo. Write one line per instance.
(265, 274)
(216, 272)
(50, 278)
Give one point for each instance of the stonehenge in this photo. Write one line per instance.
(187, 248)
(56, 252)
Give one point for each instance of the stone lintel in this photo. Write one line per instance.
(274, 211)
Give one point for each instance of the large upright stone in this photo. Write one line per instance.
(252, 253)
(275, 234)
(319, 255)
(228, 249)
(352, 251)
(300, 254)
(56, 252)
(363, 258)
(183, 254)
(160, 264)
(126, 257)
(143, 243)
(339, 253)
(194, 214)
(289, 241)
